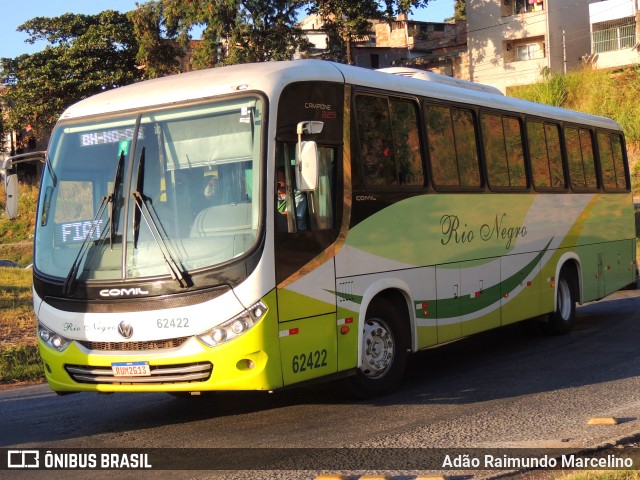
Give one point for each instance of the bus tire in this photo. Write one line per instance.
(385, 345)
(561, 320)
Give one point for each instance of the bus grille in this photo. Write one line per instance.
(134, 346)
(194, 372)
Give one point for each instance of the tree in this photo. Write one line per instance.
(459, 11)
(157, 55)
(87, 54)
(345, 21)
(236, 31)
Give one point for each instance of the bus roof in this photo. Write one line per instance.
(271, 77)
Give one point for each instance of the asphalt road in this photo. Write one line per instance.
(500, 389)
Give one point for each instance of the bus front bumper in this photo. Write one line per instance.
(249, 362)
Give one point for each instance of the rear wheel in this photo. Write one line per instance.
(562, 319)
(385, 344)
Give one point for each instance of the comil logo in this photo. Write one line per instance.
(23, 459)
(122, 292)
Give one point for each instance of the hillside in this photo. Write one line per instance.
(16, 236)
(597, 92)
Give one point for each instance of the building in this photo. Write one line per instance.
(436, 46)
(614, 34)
(512, 42)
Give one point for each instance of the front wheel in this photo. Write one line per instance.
(562, 319)
(385, 344)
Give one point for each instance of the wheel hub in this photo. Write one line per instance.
(378, 348)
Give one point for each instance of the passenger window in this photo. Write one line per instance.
(546, 155)
(452, 146)
(582, 170)
(389, 141)
(618, 162)
(611, 161)
(406, 140)
(503, 151)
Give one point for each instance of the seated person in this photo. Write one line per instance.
(300, 200)
(211, 188)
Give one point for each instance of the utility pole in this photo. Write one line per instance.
(564, 51)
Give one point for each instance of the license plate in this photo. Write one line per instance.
(131, 369)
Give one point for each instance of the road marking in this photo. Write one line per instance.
(602, 421)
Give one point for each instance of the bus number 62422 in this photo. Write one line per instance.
(172, 322)
(303, 362)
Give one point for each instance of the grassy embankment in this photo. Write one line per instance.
(19, 360)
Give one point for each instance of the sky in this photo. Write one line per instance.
(12, 43)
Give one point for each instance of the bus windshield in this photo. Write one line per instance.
(142, 195)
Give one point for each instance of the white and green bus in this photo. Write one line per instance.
(258, 226)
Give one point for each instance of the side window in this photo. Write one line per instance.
(546, 155)
(376, 144)
(389, 141)
(582, 170)
(502, 138)
(452, 146)
(619, 161)
(612, 161)
(298, 211)
(406, 140)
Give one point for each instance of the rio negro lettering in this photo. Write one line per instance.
(453, 230)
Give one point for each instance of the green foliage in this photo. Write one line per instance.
(15, 235)
(86, 54)
(20, 364)
(601, 474)
(157, 56)
(19, 359)
(344, 22)
(459, 11)
(552, 91)
(237, 31)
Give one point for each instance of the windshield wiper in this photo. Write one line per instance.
(154, 225)
(84, 248)
(139, 188)
(114, 206)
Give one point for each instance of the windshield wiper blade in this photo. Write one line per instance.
(176, 272)
(71, 277)
(139, 188)
(113, 204)
(113, 211)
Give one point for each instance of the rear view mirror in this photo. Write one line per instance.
(307, 156)
(11, 190)
(307, 166)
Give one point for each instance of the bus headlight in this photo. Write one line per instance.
(234, 327)
(52, 339)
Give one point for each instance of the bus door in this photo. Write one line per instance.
(305, 229)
